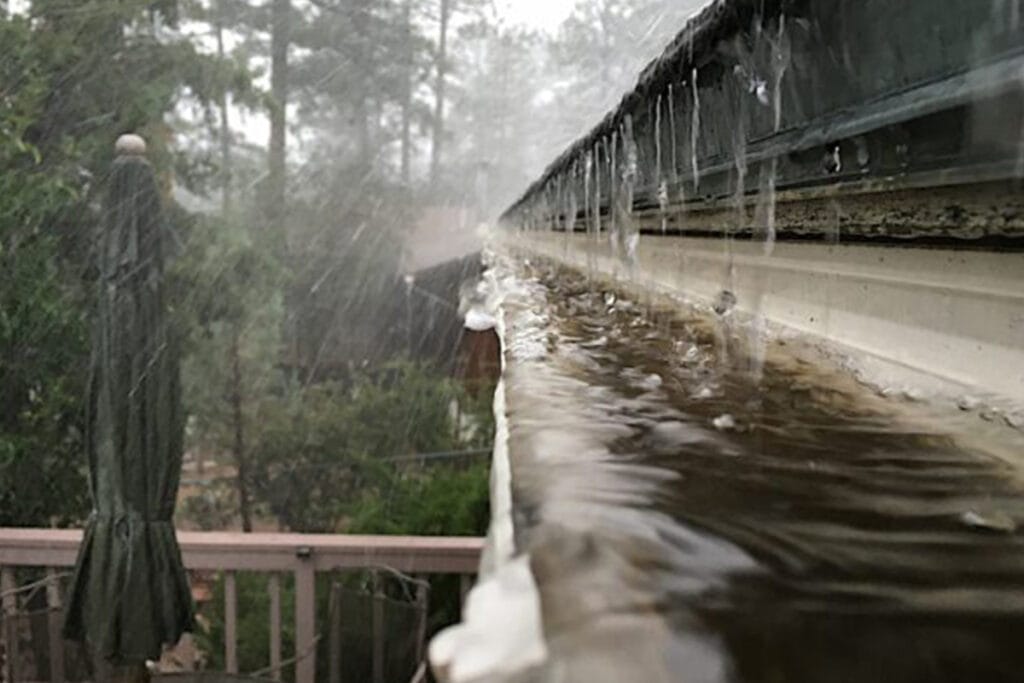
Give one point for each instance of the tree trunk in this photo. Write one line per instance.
(280, 39)
(225, 123)
(407, 95)
(237, 418)
(439, 92)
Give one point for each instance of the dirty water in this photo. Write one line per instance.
(695, 511)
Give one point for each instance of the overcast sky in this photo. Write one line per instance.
(543, 14)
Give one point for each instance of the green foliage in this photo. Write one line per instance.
(436, 501)
(63, 102)
(325, 454)
(32, 187)
(320, 464)
(42, 351)
(230, 300)
(79, 73)
(42, 331)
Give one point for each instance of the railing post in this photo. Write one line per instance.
(334, 643)
(53, 623)
(230, 622)
(378, 629)
(305, 619)
(9, 604)
(422, 604)
(274, 587)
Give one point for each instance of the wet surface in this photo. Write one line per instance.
(697, 512)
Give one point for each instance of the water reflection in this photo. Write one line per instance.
(689, 522)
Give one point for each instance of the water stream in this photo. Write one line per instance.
(690, 520)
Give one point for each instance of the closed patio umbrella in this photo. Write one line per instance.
(130, 594)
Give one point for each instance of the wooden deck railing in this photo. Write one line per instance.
(303, 555)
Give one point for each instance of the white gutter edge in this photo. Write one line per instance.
(501, 630)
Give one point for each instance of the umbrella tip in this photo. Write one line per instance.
(130, 145)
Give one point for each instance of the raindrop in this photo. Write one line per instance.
(725, 302)
(994, 521)
(651, 382)
(863, 153)
(968, 403)
(833, 161)
(724, 422)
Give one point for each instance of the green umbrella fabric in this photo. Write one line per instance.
(130, 594)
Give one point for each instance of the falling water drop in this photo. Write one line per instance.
(659, 170)
(628, 228)
(781, 54)
(657, 139)
(663, 204)
(632, 245)
(572, 205)
(672, 126)
(833, 232)
(760, 87)
(695, 130)
(770, 203)
(615, 227)
(597, 188)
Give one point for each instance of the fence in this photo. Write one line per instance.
(301, 555)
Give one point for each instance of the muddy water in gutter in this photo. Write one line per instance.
(691, 516)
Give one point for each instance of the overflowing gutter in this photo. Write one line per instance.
(835, 175)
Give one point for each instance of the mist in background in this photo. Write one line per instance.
(326, 166)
